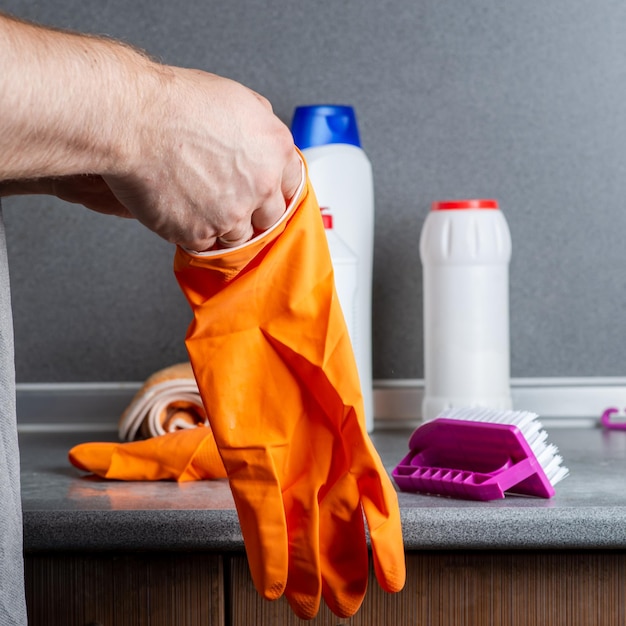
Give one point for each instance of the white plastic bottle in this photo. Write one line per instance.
(345, 268)
(465, 248)
(341, 175)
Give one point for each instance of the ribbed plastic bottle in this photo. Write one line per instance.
(465, 249)
(345, 268)
(341, 175)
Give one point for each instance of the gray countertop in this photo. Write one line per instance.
(65, 509)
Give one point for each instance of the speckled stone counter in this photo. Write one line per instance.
(65, 509)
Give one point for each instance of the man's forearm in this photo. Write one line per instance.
(193, 156)
(83, 126)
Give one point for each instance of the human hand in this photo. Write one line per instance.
(226, 179)
(207, 160)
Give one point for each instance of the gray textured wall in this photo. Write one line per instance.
(522, 101)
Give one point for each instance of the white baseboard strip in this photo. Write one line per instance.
(397, 403)
(558, 401)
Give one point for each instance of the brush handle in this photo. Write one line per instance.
(608, 422)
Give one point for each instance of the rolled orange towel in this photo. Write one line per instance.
(168, 401)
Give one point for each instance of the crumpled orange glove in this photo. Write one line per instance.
(277, 375)
(182, 456)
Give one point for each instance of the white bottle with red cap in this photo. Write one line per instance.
(465, 249)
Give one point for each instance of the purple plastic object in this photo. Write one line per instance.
(608, 422)
(471, 460)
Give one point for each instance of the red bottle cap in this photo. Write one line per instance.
(447, 205)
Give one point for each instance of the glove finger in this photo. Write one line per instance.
(343, 548)
(93, 457)
(182, 456)
(258, 498)
(380, 505)
(304, 584)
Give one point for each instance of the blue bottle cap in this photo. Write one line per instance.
(321, 124)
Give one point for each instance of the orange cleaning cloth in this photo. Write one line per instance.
(169, 400)
(276, 371)
(182, 456)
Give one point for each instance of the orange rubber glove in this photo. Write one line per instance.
(276, 371)
(182, 456)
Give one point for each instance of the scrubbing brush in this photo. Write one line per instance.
(479, 454)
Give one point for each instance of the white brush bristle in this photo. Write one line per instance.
(547, 454)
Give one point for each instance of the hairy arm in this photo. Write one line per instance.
(192, 155)
(62, 100)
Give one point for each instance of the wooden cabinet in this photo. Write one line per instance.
(78, 589)
(472, 589)
(448, 588)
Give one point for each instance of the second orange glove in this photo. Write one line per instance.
(183, 455)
